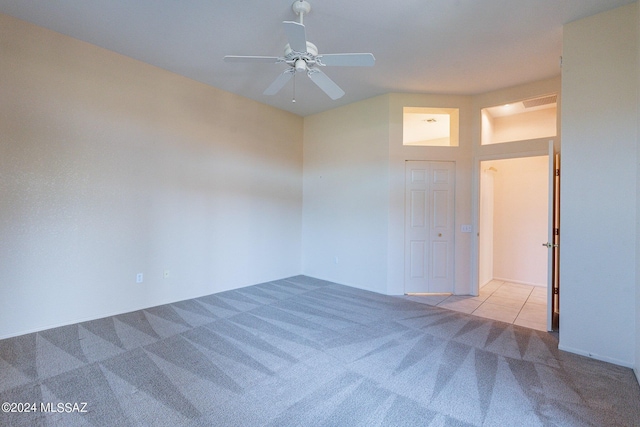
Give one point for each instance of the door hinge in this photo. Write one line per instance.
(556, 231)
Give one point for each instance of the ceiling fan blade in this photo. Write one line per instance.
(264, 59)
(325, 83)
(297, 35)
(279, 82)
(347, 59)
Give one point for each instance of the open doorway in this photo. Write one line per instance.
(513, 222)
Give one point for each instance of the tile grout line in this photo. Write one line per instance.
(485, 300)
(522, 307)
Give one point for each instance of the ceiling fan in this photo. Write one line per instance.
(302, 56)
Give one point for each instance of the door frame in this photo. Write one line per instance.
(475, 206)
(553, 241)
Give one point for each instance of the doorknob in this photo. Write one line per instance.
(550, 245)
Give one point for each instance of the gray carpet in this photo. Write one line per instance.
(305, 352)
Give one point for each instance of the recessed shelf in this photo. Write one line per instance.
(434, 127)
(525, 119)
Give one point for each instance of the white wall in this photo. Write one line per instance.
(598, 313)
(520, 221)
(110, 167)
(346, 187)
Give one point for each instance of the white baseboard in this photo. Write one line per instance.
(485, 283)
(611, 360)
(520, 282)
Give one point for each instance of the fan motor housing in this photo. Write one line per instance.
(301, 61)
(312, 51)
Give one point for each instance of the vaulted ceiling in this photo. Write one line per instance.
(420, 46)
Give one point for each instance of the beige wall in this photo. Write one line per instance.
(529, 125)
(110, 167)
(520, 219)
(346, 189)
(598, 238)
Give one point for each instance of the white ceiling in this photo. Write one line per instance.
(421, 46)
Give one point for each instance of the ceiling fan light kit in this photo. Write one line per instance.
(301, 55)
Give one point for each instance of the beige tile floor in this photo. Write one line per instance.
(522, 305)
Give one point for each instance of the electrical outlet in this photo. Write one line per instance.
(139, 278)
(466, 228)
(166, 274)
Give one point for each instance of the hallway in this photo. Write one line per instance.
(522, 305)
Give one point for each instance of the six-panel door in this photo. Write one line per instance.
(429, 227)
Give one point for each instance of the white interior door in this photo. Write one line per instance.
(553, 241)
(429, 227)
